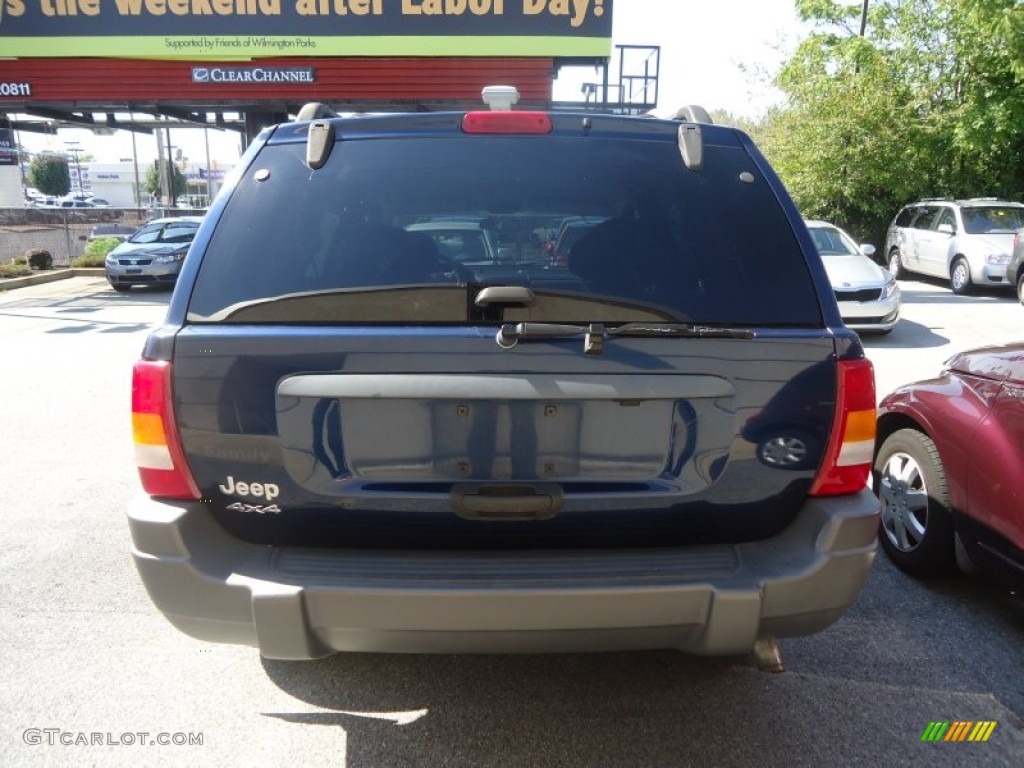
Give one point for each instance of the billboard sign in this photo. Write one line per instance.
(241, 29)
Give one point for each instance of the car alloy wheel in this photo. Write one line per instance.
(1020, 287)
(960, 278)
(916, 527)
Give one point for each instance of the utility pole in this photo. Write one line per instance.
(207, 196)
(863, 31)
(170, 168)
(856, 73)
(135, 165)
(161, 169)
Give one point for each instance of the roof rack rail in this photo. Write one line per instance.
(315, 110)
(693, 113)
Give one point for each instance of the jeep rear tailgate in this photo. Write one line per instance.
(314, 435)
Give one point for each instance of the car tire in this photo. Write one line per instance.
(916, 530)
(120, 288)
(1020, 287)
(896, 264)
(960, 277)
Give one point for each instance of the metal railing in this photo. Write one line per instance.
(637, 71)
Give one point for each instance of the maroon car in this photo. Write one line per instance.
(949, 467)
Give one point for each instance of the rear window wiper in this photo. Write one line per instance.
(594, 334)
(680, 330)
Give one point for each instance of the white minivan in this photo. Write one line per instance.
(967, 242)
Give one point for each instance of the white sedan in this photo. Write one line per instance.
(868, 296)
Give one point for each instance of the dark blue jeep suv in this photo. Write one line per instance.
(352, 436)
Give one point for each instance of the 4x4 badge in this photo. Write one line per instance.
(239, 506)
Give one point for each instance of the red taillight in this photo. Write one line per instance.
(506, 122)
(851, 448)
(158, 452)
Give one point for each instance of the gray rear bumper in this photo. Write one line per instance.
(296, 603)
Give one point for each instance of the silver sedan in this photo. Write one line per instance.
(868, 296)
(153, 255)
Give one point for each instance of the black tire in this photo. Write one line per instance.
(120, 288)
(1020, 287)
(916, 530)
(896, 267)
(960, 277)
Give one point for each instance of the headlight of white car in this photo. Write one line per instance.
(998, 258)
(890, 289)
(170, 258)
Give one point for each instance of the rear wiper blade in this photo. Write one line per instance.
(511, 333)
(681, 330)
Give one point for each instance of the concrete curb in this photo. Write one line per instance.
(50, 276)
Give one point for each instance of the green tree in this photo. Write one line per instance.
(839, 144)
(748, 125)
(48, 173)
(179, 184)
(966, 97)
(926, 104)
(1003, 24)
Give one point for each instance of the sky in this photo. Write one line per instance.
(711, 51)
(719, 54)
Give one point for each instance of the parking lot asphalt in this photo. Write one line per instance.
(82, 650)
(935, 324)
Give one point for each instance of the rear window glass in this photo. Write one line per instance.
(400, 230)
